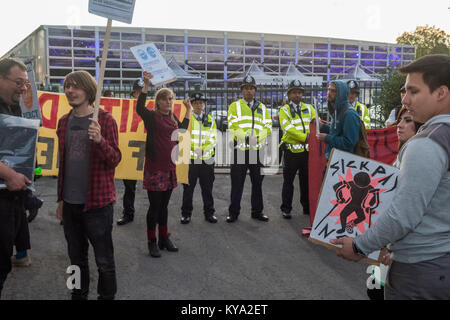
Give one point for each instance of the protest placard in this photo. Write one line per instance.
(119, 10)
(152, 61)
(29, 103)
(355, 193)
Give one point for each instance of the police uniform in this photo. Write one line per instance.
(294, 121)
(246, 120)
(362, 109)
(204, 137)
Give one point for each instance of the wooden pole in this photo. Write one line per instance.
(102, 68)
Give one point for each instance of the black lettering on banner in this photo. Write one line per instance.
(47, 154)
(325, 229)
(380, 169)
(334, 166)
(140, 155)
(350, 165)
(363, 165)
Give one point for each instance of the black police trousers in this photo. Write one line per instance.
(12, 219)
(128, 197)
(205, 174)
(294, 162)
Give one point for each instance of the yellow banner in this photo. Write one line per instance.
(132, 135)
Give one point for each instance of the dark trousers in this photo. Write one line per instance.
(94, 226)
(158, 212)
(128, 197)
(294, 162)
(205, 174)
(12, 217)
(238, 172)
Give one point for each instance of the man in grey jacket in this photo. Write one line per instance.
(416, 227)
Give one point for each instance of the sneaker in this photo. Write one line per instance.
(23, 262)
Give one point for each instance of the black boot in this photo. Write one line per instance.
(165, 243)
(153, 248)
(126, 218)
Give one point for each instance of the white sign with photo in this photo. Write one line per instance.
(355, 193)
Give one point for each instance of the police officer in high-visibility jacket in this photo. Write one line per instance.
(295, 118)
(250, 124)
(362, 109)
(203, 142)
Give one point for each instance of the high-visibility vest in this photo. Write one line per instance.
(296, 127)
(243, 123)
(204, 136)
(363, 112)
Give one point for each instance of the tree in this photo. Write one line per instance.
(428, 40)
(389, 95)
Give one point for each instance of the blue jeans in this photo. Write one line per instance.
(94, 226)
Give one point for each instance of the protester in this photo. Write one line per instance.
(393, 116)
(295, 118)
(250, 124)
(406, 129)
(159, 170)
(13, 83)
(130, 185)
(343, 132)
(88, 155)
(361, 108)
(203, 142)
(108, 94)
(416, 226)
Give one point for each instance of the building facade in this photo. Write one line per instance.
(217, 55)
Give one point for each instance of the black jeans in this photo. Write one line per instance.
(205, 174)
(158, 212)
(128, 197)
(294, 162)
(94, 226)
(12, 218)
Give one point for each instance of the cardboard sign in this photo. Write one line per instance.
(119, 10)
(355, 192)
(152, 61)
(29, 102)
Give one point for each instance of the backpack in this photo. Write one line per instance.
(362, 145)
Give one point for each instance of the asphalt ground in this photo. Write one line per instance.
(245, 260)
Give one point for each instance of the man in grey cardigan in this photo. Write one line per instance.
(416, 227)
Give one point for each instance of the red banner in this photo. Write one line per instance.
(383, 147)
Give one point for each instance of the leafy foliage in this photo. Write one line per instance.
(428, 40)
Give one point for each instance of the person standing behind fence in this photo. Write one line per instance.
(159, 169)
(362, 109)
(250, 124)
(88, 156)
(203, 142)
(13, 83)
(295, 118)
(130, 185)
(416, 226)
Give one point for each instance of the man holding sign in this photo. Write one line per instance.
(416, 226)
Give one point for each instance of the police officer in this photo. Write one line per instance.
(203, 142)
(362, 109)
(250, 123)
(130, 185)
(295, 118)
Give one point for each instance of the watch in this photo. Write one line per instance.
(357, 251)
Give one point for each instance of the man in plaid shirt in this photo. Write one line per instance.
(88, 155)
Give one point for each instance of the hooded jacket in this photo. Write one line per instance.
(343, 132)
(417, 223)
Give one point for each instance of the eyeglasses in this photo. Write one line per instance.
(19, 83)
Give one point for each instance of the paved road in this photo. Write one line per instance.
(245, 260)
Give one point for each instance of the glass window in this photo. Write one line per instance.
(58, 81)
(177, 39)
(366, 55)
(112, 45)
(113, 35)
(215, 58)
(216, 50)
(305, 69)
(84, 43)
(367, 63)
(367, 48)
(285, 44)
(235, 42)
(323, 54)
(215, 67)
(132, 36)
(131, 74)
(351, 47)
(174, 48)
(113, 64)
(321, 46)
(196, 57)
(287, 52)
(305, 53)
(253, 51)
(381, 49)
(196, 49)
(320, 70)
(337, 47)
(305, 46)
(234, 67)
(59, 72)
(111, 54)
(128, 45)
(196, 40)
(130, 65)
(409, 50)
(84, 63)
(395, 57)
(271, 60)
(351, 62)
(249, 60)
(61, 62)
(60, 52)
(380, 56)
(154, 38)
(59, 32)
(336, 62)
(380, 63)
(112, 74)
(160, 46)
(335, 54)
(271, 44)
(320, 62)
(215, 41)
(252, 43)
(336, 70)
(305, 61)
(351, 55)
(235, 59)
(271, 52)
(55, 42)
(214, 76)
(127, 55)
(287, 60)
(235, 50)
(197, 66)
(83, 33)
(84, 53)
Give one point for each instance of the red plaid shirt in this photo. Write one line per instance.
(104, 158)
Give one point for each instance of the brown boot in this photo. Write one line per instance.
(153, 248)
(165, 243)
